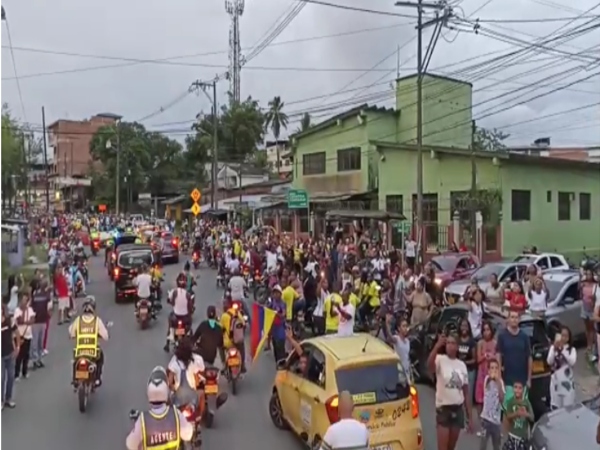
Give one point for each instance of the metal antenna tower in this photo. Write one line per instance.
(235, 8)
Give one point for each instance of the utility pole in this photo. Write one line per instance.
(422, 63)
(118, 156)
(472, 205)
(47, 183)
(214, 168)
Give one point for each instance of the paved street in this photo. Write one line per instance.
(47, 417)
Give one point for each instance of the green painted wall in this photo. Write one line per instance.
(544, 230)
(443, 174)
(447, 111)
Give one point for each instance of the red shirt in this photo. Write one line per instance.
(61, 286)
(518, 302)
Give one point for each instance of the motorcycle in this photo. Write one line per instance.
(95, 247)
(261, 291)
(78, 288)
(196, 260)
(179, 332)
(233, 370)
(84, 381)
(213, 400)
(144, 311)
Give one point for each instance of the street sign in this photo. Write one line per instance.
(196, 209)
(196, 195)
(297, 199)
(403, 227)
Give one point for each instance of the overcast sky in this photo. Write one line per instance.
(113, 33)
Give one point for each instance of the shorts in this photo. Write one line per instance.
(450, 416)
(514, 443)
(64, 303)
(587, 314)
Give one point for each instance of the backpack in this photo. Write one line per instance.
(236, 329)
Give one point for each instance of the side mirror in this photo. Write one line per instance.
(282, 364)
(568, 300)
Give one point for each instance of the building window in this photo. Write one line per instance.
(286, 222)
(348, 159)
(393, 203)
(585, 206)
(520, 205)
(564, 205)
(313, 163)
(303, 221)
(549, 196)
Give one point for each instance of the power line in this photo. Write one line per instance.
(14, 62)
(539, 20)
(353, 8)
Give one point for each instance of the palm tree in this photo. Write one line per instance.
(276, 119)
(305, 122)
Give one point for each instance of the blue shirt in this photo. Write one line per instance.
(515, 351)
(278, 329)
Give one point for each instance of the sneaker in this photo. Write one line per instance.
(10, 404)
(45, 352)
(17, 379)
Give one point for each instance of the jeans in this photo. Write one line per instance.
(8, 377)
(37, 342)
(22, 362)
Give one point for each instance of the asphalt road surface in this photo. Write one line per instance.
(46, 415)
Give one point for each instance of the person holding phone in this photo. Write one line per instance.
(562, 357)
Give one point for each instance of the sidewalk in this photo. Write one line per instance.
(587, 381)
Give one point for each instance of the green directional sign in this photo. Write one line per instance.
(297, 199)
(403, 227)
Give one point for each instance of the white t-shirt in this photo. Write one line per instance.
(143, 282)
(28, 314)
(347, 433)
(271, 261)
(233, 265)
(13, 302)
(475, 318)
(410, 248)
(451, 376)
(195, 366)
(237, 285)
(537, 302)
(180, 305)
(346, 327)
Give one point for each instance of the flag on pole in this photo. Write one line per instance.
(262, 321)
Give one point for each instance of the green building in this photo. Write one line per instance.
(366, 158)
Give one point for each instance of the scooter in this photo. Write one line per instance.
(213, 399)
(144, 312)
(196, 260)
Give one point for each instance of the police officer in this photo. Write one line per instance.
(163, 426)
(86, 330)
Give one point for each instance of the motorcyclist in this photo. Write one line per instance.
(182, 306)
(75, 276)
(157, 279)
(233, 335)
(143, 282)
(108, 250)
(209, 338)
(190, 280)
(86, 329)
(163, 426)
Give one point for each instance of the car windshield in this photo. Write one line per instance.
(379, 383)
(527, 259)
(128, 260)
(484, 272)
(444, 264)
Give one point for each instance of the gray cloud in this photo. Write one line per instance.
(150, 30)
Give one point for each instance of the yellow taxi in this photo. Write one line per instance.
(305, 393)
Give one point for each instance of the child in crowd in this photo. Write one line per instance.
(519, 414)
(491, 411)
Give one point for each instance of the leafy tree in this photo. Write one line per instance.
(149, 161)
(490, 140)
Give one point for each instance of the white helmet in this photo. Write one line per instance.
(158, 386)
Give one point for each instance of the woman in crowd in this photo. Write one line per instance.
(451, 392)
(24, 318)
(590, 294)
(421, 303)
(467, 352)
(538, 297)
(494, 293)
(561, 359)
(486, 352)
(10, 347)
(475, 315)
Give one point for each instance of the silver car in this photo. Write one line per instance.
(564, 302)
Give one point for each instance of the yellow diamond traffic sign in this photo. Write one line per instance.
(196, 209)
(196, 195)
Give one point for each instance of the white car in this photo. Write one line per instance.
(545, 261)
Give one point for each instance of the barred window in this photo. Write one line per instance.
(313, 163)
(348, 159)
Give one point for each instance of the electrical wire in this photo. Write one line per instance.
(14, 63)
(353, 8)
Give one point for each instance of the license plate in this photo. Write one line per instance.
(233, 362)
(211, 389)
(179, 331)
(143, 310)
(82, 375)
(381, 447)
(538, 367)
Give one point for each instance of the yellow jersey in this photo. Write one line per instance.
(289, 296)
(332, 321)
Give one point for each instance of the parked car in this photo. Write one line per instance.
(575, 425)
(544, 261)
(129, 259)
(564, 302)
(169, 248)
(453, 266)
(506, 271)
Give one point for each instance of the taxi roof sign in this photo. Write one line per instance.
(196, 195)
(196, 209)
